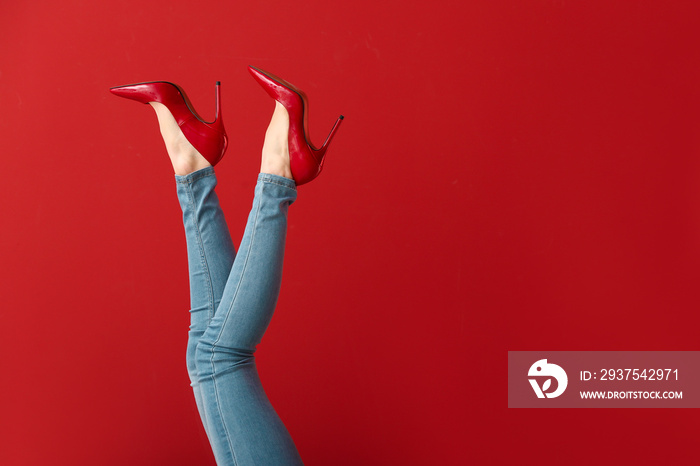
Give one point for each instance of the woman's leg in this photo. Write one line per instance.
(210, 251)
(210, 255)
(244, 428)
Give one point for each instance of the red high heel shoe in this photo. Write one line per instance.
(306, 161)
(208, 138)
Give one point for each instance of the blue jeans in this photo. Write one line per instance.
(233, 297)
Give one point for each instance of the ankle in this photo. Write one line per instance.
(183, 167)
(276, 165)
(184, 157)
(275, 152)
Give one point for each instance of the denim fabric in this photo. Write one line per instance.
(233, 298)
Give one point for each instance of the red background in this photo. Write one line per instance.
(511, 175)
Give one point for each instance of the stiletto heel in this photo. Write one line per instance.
(333, 130)
(306, 161)
(209, 138)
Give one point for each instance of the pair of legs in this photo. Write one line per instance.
(233, 296)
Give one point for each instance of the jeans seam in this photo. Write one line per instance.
(265, 180)
(202, 255)
(194, 176)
